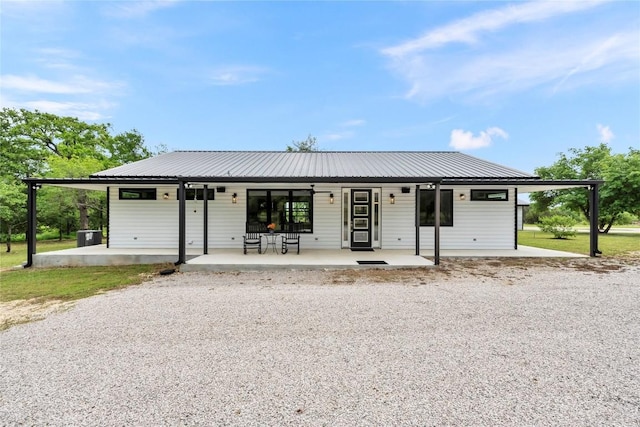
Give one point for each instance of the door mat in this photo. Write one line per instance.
(361, 250)
(372, 262)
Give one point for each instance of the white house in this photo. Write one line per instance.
(340, 200)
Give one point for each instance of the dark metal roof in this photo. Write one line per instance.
(401, 166)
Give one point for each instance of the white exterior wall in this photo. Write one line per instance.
(143, 223)
(476, 224)
(154, 223)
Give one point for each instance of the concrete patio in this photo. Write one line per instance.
(234, 259)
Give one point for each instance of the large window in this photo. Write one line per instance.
(280, 207)
(428, 207)
(137, 194)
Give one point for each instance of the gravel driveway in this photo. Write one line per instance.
(489, 344)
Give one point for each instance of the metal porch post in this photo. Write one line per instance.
(593, 220)
(417, 220)
(515, 226)
(31, 222)
(436, 243)
(182, 255)
(205, 237)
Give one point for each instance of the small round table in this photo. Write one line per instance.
(271, 242)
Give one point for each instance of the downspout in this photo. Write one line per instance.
(181, 223)
(593, 221)
(31, 222)
(436, 243)
(417, 220)
(205, 237)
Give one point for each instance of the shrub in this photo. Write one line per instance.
(560, 226)
(625, 218)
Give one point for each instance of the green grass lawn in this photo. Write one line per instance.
(18, 254)
(63, 283)
(70, 283)
(611, 245)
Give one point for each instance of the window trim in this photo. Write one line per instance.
(152, 191)
(475, 198)
(290, 196)
(442, 224)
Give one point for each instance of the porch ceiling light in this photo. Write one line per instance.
(392, 199)
(234, 198)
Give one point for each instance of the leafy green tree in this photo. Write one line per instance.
(308, 145)
(13, 203)
(620, 193)
(34, 143)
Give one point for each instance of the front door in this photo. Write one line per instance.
(360, 218)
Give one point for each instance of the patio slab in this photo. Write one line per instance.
(234, 259)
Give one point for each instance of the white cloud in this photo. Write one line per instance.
(354, 123)
(337, 136)
(606, 134)
(467, 30)
(137, 9)
(83, 111)
(236, 75)
(517, 60)
(464, 140)
(74, 85)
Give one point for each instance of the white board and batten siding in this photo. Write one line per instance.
(143, 223)
(476, 224)
(154, 223)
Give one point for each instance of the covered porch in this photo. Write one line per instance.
(235, 260)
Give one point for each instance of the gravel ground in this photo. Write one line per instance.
(478, 344)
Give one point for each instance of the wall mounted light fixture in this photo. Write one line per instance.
(462, 196)
(331, 199)
(165, 196)
(392, 199)
(234, 198)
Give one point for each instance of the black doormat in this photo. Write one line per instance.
(372, 262)
(361, 250)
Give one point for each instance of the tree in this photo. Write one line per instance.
(620, 193)
(13, 202)
(308, 145)
(35, 144)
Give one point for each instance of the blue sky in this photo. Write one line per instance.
(510, 82)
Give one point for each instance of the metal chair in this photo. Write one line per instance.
(291, 237)
(252, 238)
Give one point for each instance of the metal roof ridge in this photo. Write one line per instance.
(316, 152)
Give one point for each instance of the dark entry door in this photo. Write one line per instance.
(360, 218)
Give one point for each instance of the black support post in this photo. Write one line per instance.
(205, 237)
(31, 222)
(436, 236)
(417, 220)
(593, 220)
(515, 226)
(182, 251)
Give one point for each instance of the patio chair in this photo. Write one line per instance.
(252, 238)
(291, 237)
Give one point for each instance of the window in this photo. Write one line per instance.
(428, 207)
(490, 195)
(280, 207)
(137, 194)
(198, 194)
